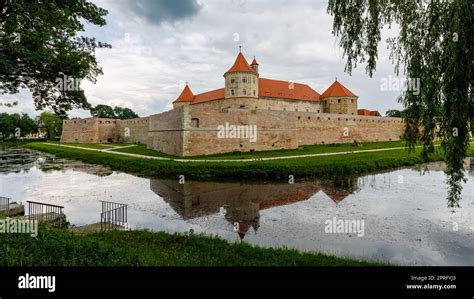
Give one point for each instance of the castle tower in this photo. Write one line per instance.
(337, 99)
(185, 98)
(241, 80)
(254, 65)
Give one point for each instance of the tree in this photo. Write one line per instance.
(434, 46)
(50, 123)
(13, 126)
(7, 126)
(103, 111)
(27, 125)
(393, 113)
(40, 50)
(124, 113)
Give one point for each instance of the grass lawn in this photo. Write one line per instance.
(306, 167)
(303, 150)
(56, 247)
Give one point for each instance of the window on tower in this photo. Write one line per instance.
(232, 80)
(254, 93)
(232, 92)
(244, 79)
(244, 92)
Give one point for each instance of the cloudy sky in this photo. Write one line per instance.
(158, 45)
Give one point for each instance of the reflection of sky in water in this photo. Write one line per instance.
(405, 223)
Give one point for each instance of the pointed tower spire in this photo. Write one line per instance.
(186, 95)
(337, 90)
(254, 65)
(240, 65)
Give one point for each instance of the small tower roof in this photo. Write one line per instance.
(241, 65)
(337, 90)
(254, 62)
(186, 95)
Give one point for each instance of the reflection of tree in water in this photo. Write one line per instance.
(17, 159)
(242, 202)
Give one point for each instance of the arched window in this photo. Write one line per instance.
(195, 122)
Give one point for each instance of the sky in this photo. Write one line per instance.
(158, 45)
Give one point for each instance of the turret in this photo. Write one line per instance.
(241, 80)
(185, 98)
(338, 99)
(254, 65)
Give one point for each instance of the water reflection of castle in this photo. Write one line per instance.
(243, 202)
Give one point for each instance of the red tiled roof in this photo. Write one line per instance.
(186, 95)
(254, 62)
(299, 195)
(286, 90)
(241, 65)
(267, 88)
(215, 94)
(367, 112)
(337, 90)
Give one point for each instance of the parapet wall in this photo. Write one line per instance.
(133, 130)
(196, 130)
(193, 130)
(166, 131)
(103, 130)
(89, 130)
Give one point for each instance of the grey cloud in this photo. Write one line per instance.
(158, 11)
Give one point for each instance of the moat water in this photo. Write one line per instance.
(405, 214)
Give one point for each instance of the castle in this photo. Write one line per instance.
(279, 114)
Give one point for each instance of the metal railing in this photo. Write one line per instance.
(4, 205)
(46, 213)
(113, 216)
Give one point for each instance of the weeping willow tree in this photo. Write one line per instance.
(434, 46)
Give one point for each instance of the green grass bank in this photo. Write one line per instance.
(305, 167)
(59, 247)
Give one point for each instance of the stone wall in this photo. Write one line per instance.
(89, 130)
(198, 127)
(250, 87)
(265, 103)
(340, 105)
(133, 130)
(166, 132)
(337, 128)
(103, 130)
(274, 131)
(192, 130)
